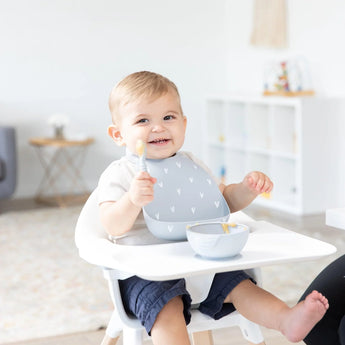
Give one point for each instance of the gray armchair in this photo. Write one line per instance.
(8, 162)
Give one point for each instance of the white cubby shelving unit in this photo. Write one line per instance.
(289, 139)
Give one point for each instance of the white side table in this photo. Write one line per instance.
(336, 217)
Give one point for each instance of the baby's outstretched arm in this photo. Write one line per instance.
(118, 217)
(240, 195)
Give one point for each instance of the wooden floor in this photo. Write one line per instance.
(230, 336)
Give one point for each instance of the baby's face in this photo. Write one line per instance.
(160, 124)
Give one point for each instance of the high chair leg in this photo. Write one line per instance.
(251, 331)
(132, 336)
(202, 338)
(109, 341)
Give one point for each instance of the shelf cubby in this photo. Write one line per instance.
(286, 138)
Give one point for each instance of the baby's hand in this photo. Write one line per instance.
(141, 189)
(258, 182)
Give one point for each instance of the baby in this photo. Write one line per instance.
(146, 106)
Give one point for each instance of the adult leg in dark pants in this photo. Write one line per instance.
(331, 283)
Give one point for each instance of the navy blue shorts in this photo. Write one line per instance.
(145, 298)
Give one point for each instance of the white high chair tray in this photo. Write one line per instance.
(267, 244)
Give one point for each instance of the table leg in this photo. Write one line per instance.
(71, 168)
(48, 182)
(61, 165)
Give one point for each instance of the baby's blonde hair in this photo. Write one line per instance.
(137, 86)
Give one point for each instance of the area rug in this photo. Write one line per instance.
(45, 288)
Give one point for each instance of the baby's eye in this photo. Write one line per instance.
(169, 117)
(142, 121)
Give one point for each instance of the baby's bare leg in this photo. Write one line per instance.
(269, 311)
(170, 326)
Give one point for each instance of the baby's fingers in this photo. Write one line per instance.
(267, 186)
(259, 182)
(253, 181)
(143, 175)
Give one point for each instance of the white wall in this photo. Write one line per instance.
(65, 55)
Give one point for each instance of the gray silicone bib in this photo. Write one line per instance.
(184, 194)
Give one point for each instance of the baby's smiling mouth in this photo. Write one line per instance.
(159, 141)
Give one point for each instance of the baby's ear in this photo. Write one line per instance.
(184, 122)
(115, 134)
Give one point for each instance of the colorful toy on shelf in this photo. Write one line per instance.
(283, 79)
(287, 78)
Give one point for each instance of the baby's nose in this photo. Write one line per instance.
(158, 127)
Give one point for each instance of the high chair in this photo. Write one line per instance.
(267, 244)
(94, 246)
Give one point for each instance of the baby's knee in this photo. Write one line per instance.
(172, 310)
(173, 307)
(170, 315)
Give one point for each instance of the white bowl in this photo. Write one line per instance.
(210, 241)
